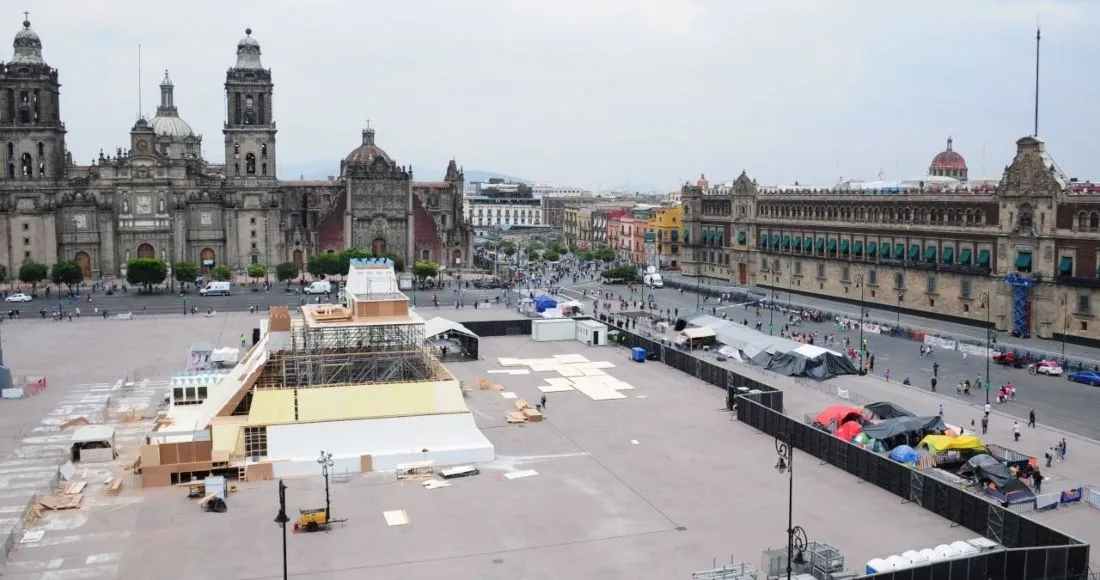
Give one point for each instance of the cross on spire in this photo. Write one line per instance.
(26, 15)
(368, 124)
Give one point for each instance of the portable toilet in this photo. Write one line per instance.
(963, 548)
(637, 354)
(877, 566)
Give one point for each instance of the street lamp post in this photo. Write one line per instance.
(900, 298)
(1065, 324)
(771, 316)
(326, 463)
(796, 536)
(790, 286)
(859, 282)
(282, 519)
(989, 337)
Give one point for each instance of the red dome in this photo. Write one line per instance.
(948, 159)
(366, 153)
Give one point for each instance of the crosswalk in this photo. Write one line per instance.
(51, 549)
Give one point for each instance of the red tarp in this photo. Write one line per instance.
(849, 430)
(834, 417)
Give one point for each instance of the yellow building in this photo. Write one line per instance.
(665, 225)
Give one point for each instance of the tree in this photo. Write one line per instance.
(624, 273)
(347, 256)
(532, 255)
(185, 273)
(147, 272)
(221, 273)
(286, 272)
(3, 273)
(32, 273)
(321, 265)
(425, 269)
(68, 273)
(551, 255)
(604, 255)
(508, 248)
(257, 271)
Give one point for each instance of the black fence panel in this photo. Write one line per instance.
(486, 328)
(1052, 563)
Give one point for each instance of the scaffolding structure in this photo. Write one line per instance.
(325, 355)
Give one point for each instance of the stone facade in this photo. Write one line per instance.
(159, 198)
(1023, 255)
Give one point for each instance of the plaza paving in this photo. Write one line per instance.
(697, 486)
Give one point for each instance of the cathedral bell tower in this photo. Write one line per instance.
(250, 125)
(32, 137)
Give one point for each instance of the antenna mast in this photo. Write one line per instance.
(139, 81)
(1038, 37)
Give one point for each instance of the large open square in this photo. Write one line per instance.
(655, 485)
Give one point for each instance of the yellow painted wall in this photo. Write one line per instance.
(271, 407)
(226, 436)
(366, 401)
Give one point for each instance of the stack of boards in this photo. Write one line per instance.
(524, 413)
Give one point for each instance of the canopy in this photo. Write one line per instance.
(888, 428)
(904, 454)
(544, 302)
(698, 332)
(885, 410)
(939, 443)
(837, 415)
(986, 468)
(436, 326)
(94, 434)
(849, 430)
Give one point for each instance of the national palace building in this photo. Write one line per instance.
(1020, 252)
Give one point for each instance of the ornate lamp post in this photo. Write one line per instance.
(859, 282)
(282, 519)
(1065, 324)
(990, 338)
(796, 536)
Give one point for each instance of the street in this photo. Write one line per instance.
(1057, 402)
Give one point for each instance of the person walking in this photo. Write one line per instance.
(1031, 418)
(987, 410)
(1016, 430)
(1049, 455)
(933, 384)
(542, 401)
(871, 363)
(985, 424)
(887, 375)
(935, 369)
(1063, 448)
(243, 340)
(1037, 481)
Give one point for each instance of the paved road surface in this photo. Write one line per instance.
(1057, 402)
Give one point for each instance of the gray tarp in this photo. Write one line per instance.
(885, 410)
(986, 467)
(824, 366)
(888, 428)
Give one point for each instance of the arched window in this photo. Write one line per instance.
(237, 150)
(1083, 220)
(28, 165)
(250, 164)
(41, 149)
(979, 217)
(968, 217)
(263, 151)
(236, 169)
(263, 169)
(1027, 217)
(11, 151)
(1094, 220)
(908, 215)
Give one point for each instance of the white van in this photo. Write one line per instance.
(319, 287)
(654, 280)
(216, 289)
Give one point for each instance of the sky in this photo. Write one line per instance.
(637, 94)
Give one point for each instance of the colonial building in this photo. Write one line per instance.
(1022, 254)
(160, 198)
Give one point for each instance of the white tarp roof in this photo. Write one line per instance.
(750, 342)
(814, 351)
(698, 332)
(228, 354)
(93, 433)
(438, 325)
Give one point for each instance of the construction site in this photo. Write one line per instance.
(356, 380)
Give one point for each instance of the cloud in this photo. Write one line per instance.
(586, 93)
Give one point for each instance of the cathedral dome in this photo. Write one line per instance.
(248, 51)
(172, 126)
(28, 46)
(366, 153)
(947, 160)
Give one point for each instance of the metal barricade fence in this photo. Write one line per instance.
(16, 533)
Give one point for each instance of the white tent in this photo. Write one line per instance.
(451, 337)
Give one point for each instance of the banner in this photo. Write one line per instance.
(1048, 501)
(974, 350)
(871, 328)
(1072, 495)
(941, 343)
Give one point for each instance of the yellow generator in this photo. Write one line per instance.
(311, 520)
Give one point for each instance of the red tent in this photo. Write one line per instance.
(833, 417)
(849, 430)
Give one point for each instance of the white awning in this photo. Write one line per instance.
(438, 325)
(94, 433)
(698, 332)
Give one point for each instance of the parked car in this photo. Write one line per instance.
(18, 297)
(1010, 359)
(1046, 367)
(1091, 378)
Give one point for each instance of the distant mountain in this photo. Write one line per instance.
(479, 175)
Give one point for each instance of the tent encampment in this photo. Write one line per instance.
(904, 454)
(824, 364)
(848, 431)
(833, 417)
(544, 302)
(902, 425)
(884, 410)
(939, 443)
(987, 468)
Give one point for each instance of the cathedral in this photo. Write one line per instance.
(160, 198)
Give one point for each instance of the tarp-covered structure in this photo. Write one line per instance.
(460, 342)
(885, 410)
(833, 417)
(776, 353)
(921, 426)
(904, 454)
(544, 302)
(987, 468)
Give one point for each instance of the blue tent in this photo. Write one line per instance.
(544, 302)
(904, 454)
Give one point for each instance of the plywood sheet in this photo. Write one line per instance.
(539, 361)
(558, 381)
(621, 386)
(509, 395)
(571, 358)
(272, 407)
(599, 392)
(556, 388)
(544, 367)
(510, 362)
(510, 371)
(593, 373)
(396, 517)
(368, 401)
(569, 371)
(521, 474)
